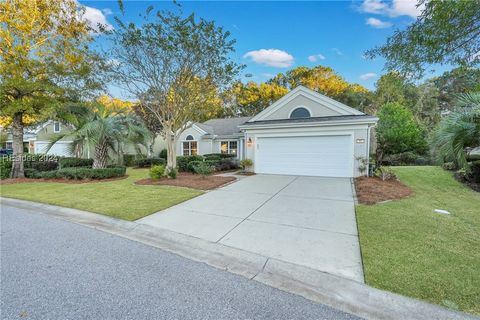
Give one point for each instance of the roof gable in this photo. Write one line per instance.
(321, 105)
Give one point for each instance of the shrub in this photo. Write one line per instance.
(77, 173)
(246, 164)
(129, 160)
(172, 173)
(192, 165)
(74, 162)
(163, 154)
(450, 166)
(214, 163)
(204, 169)
(157, 172)
(148, 162)
(405, 158)
(475, 169)
(213, 157)
(45, 166)
(220, 155)
(385, 173)
(183, 161)
(5, 167)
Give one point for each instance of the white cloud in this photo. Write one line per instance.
(95, 17)
(377, 23)
(396, 8)
(271, 57)
(316, 57)
(337, 51)
(367, 76)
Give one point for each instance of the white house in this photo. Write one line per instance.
(303, 133)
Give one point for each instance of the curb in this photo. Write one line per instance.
(340, 293)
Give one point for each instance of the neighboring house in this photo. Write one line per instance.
(303, 133)
(36, 139)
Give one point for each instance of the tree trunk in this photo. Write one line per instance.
(171, 152)
(100, 156)
(17, 134)
(150, 147)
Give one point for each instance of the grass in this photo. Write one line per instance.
(410, 250)
(120, 199)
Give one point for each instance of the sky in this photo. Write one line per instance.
(276, 36)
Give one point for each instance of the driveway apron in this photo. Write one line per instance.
(309, 221)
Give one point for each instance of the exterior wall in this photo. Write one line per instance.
(316, 109)
(359, 132)
(204, 145)
(46, 133)
(158, 146)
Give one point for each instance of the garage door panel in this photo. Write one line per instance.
(58, 149)
(313, 155)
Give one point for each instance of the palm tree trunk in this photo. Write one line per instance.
(17, 144)
(100, 156)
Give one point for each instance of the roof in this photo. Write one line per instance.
(223, 127)
(313, 119)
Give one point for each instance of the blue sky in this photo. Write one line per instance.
(274, 37)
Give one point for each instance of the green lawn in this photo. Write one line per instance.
(120, 199)
(409, 249)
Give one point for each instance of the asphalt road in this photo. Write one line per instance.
(53, 269)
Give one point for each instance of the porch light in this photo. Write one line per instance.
(249, 142)
(360, 140)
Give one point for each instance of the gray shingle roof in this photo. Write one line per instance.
(313, 119)
(223, 127)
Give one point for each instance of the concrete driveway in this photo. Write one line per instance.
(309, 221)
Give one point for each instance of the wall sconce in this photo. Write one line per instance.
(360, 140)
(249, 142)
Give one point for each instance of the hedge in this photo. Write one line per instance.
(221, 155)
(183, 161)
(5, 168)
(74, 162)
(148, 162)
(77, 173)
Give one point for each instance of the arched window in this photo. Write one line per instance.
(189, 146)
(300, 113)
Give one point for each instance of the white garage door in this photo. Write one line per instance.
(59, 149)
(328, 156)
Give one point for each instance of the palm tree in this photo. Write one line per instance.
(105, 130)
(459, 130)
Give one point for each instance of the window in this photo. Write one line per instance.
(189, 146)
(56, 127)
(228, 147)
(9, 145)
(300, 113)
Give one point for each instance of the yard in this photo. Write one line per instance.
(410, 250)
(120, 198)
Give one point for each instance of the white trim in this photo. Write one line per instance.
(313, 95)
(299, 107)
(310, 124)
(200, 130)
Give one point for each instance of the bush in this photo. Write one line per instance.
(5, 168)
(246, 163)
(157, 172)
(45, 166)
(213, 157)
(148, 162)
(475, 169)
(74, 163)
(172, 173)
(77, 173)
(203, 169)
(183, 161)
(405, 158)
(450, 166)
(385, 173)
(220, 155)
(163, 154)
(192, 165)
(129, 160)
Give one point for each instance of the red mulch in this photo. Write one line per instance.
(371, 190)
(245, 173)
(190, 180)
(58, 180)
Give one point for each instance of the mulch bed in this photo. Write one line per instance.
(371, 190)
(246, 173)
(189, 180)
(68, 181)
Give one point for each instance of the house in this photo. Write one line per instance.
(303, 133)
(36, 139)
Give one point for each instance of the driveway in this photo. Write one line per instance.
(304, 220)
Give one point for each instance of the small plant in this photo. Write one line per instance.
(385, 173)
(204, 169)
(246, 164)
(157, 172)
(450, 166)
(172, 174)
(163, 154)
(362, 164)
